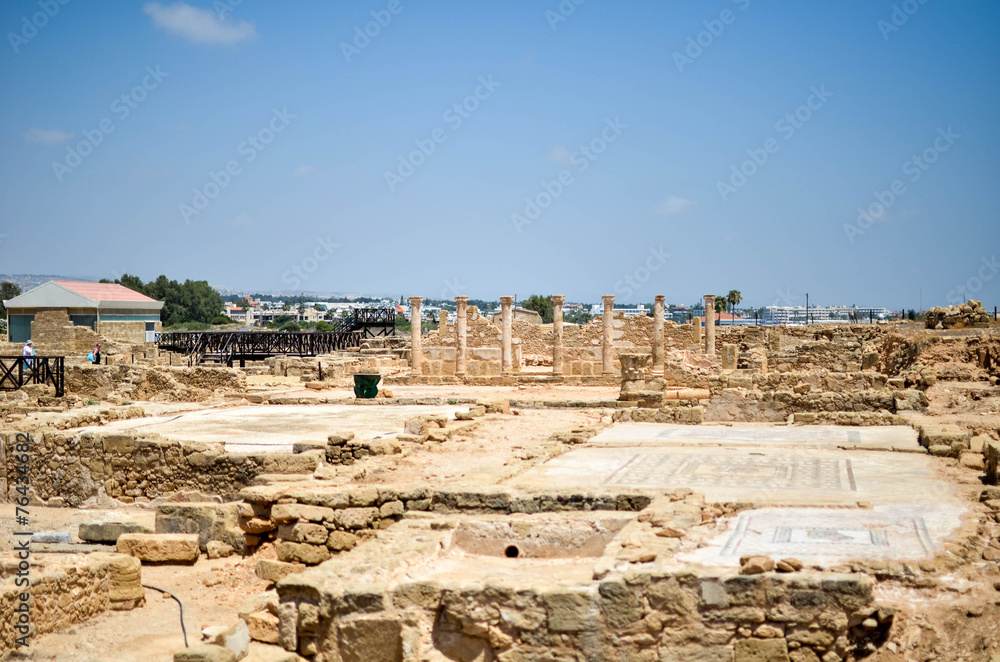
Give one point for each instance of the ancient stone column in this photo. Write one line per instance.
(507, 321)
(443, 322)
(608, 367)
(416, 351)
(710, 324)
(557, 333)
(461, 325)
(658, 356)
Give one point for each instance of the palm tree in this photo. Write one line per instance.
(734, 298)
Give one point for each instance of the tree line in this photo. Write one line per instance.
(183, 303)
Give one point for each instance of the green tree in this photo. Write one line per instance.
(192, 301)
(541, 305)
(720, 303)
(733, 299)
(8, 290)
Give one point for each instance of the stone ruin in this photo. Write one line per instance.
(965, 315)
(628, 489)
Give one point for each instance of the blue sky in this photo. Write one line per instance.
(630, 148)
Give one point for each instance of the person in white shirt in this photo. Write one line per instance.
(29, 350)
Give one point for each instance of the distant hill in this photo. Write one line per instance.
(29, 281)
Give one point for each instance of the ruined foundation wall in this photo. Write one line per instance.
(60, 597)
(77, 466)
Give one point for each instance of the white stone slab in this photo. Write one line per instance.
(767, 476)
(901, 437)
(829, 536)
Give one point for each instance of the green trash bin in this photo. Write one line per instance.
(366, 385)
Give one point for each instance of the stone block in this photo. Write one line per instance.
(696, 653)
(205, 653)
(263, 626)
(118, 443)
(236, 638)
(290, 463)
(991, 460)
(274, 571)
(303, 532)
(126, 581)
(761, 650)
(972, 460)
(108, 532)
(160, 547)
(283, 512)
(341, 541)
(355, 518)
(370, 640)
(570, 612)
(620, 604)
(730, 356)
(211, 521)
(300, 552)
(216, 549)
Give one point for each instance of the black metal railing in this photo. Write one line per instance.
(228, 346)
(18, 371)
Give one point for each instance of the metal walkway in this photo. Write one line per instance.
(225, 347)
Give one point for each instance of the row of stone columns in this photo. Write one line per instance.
(507, 328)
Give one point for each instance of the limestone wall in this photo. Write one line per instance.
(125, 332)
(388, 609)
(76, 466)
(53, 333)
(62, 595)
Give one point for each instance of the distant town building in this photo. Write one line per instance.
(817, 314)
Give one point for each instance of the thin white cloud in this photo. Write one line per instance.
(198, 25)
(560, 154)
(304, 170)
(674, 205)
(47, 136)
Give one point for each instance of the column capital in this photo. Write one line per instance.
(461, 299)
(506, 301)
(660, 298)
(710, 298)
(416, 301)
(608, 299)
(557, 298)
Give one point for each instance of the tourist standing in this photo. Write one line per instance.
(28, 351)
(97, 355)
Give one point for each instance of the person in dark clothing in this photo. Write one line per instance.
(97, 354)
